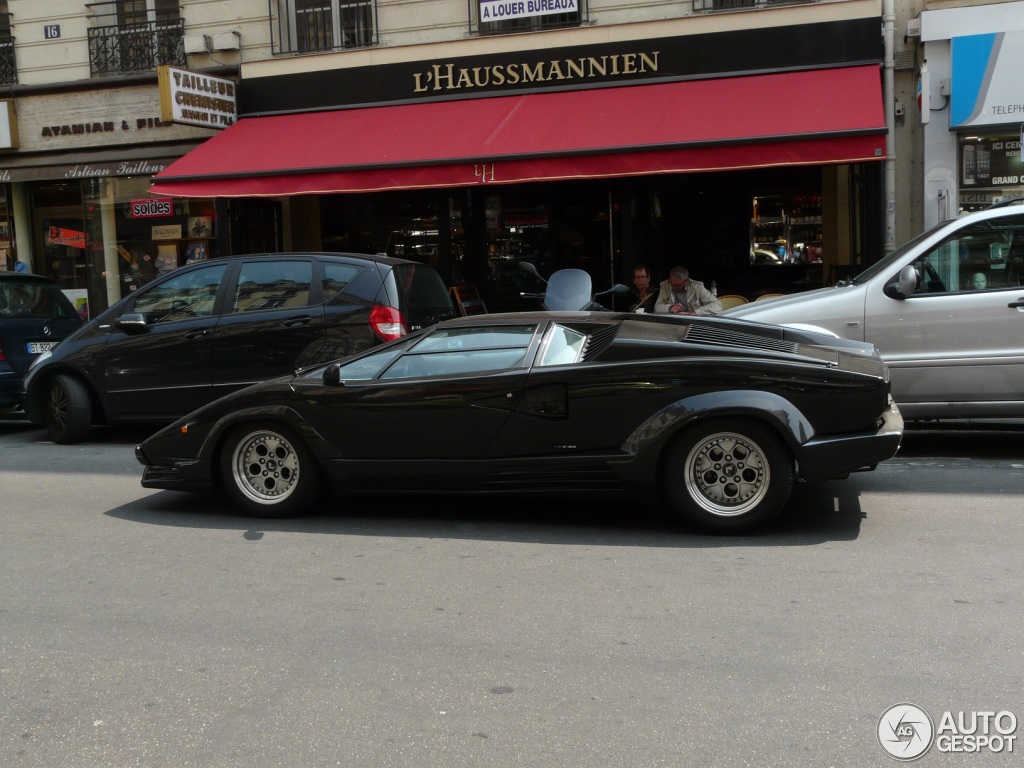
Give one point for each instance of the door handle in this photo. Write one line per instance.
(197, 334)
(296, 321)
(1016, 304)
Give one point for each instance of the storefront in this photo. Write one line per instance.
(972, 101)
(603, 156)
(75, 203)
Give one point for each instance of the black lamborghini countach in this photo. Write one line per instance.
(714, 418)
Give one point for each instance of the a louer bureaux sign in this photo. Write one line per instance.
(497, 10)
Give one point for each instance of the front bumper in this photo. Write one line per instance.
(175, 474)
(836, 456)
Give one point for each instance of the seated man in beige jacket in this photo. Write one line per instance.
(679, 295)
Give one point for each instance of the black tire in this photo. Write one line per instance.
(728, 475)
(268, 471)
(68, 411)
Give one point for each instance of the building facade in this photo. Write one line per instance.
(751, 141)
(972, 107)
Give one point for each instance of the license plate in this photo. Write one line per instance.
(35, 347)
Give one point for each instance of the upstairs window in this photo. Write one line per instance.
(130, 36)
(308, 26)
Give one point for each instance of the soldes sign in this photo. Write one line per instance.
(149, 208)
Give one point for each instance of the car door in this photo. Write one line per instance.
(570, 407)
(164, 369)
(442, 396)
(960, 336)
(273, 322)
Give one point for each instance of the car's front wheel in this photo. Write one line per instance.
(728, 475)
(268, 471)
(68, 410)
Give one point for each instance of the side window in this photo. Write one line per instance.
(182, 297)
(369, 366)
(977, 258)
(460, 351)
(272, 285)
(563, 346)
(337, 277)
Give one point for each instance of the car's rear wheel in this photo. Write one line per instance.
(268, 471)
(68, 410)
(728, 475)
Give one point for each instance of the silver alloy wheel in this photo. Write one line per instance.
(727, 474)
(265, 467)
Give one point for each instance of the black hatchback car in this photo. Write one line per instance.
(34, 316)
(217, 326)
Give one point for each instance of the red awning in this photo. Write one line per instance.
(812, 117)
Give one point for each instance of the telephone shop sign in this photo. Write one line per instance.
(150, 208)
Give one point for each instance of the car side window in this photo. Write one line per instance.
(182, 297)
(337, 277)
(563, 346)
(272, 285)
(979, 257)
(460, 351)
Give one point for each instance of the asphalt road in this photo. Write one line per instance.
(142, 628)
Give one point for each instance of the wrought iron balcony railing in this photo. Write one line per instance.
(8, 65)
(734, 5)
(120, 44)
(310, 26)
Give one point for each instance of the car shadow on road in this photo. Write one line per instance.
(829, 512)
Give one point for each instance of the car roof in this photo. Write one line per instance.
(379, 258)
(504, 318)
(26, 277)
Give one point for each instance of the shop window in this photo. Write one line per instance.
(135, 36)
(498, 17)
(306, 26)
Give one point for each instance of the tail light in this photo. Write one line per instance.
(387, 322)
(2, 356)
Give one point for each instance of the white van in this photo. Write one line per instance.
(946, 312)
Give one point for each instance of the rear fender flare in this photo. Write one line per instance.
(776, 411)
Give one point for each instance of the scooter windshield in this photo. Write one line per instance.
(568, 290)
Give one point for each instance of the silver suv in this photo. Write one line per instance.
(946, 311)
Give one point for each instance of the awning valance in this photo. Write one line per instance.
(809, 117)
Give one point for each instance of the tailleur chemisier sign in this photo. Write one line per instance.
(192, 98)
(496, 10)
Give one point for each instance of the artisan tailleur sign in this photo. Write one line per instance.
(497, 10)
(192, 98)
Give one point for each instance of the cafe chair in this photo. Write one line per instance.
(730, 300)
(467, 300)
(764, 296)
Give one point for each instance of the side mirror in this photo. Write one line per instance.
(906, 285)
(132, 323)
(332, 375)
(528, 268)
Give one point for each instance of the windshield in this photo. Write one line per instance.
(33, 300)
(887, 261)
